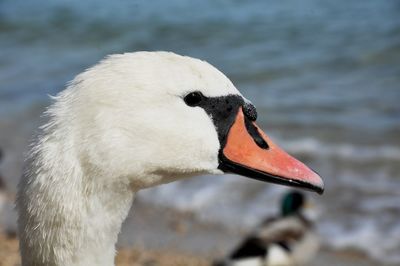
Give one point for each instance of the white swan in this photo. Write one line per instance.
(133, 121)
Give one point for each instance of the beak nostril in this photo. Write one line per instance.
(253, 132)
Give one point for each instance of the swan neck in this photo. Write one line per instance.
(68, 217)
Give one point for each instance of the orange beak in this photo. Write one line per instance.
(250, 152)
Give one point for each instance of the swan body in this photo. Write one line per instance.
(133, 121)
(285, 240)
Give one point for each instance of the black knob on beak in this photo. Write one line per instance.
(250, 111)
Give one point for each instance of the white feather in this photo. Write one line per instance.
(278, 257)
(248, 262)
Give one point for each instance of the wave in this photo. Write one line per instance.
(367, 236)
(344, 151)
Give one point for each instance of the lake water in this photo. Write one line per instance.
(324, 75)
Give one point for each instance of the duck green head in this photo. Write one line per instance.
(292, 203)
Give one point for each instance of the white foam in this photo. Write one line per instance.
(342, 150)
(381, 243)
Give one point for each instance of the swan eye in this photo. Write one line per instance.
(193, 98)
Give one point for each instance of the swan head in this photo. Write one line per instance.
(147, 118)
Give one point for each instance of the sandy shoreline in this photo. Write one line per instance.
(178, 239)
(204, 241)
(9, 256)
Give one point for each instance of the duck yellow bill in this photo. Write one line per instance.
(250, 152)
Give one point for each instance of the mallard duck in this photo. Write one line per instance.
(286, 240)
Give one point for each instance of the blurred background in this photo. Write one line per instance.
(324, 75)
